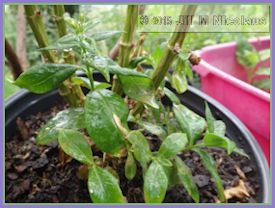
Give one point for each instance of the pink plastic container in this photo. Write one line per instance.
(225, 80)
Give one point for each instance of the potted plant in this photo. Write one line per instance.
(137, 140)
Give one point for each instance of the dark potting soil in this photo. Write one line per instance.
(41, 174)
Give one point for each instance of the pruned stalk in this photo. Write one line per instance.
(59, 19)
(34, 18)
(126, 43)
(173, 47)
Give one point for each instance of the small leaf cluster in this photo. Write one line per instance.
(249, 58)
(103, 123)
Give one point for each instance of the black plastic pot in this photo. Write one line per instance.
(24, 104)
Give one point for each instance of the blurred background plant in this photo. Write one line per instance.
(21, 39)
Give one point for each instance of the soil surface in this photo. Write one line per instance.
(43, 174)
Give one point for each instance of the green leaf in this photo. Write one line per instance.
(263, 71)
(105, 35)
(209, 118)
(246, 54)
(172, 145)
(179, 81)
(155, 183)
(101, 64)
(82, 81)
(172, 96)
(130, 166)
(71, 118)
(118, 70)
(139, 88)
(153, 129)
(85, 82)
(141, 148)
(165, 163)
(104, 187)
(219, 128)
(188, 71)
(74, 144)
(157, 55)
(67, 39)
(135, 61)
(43, 78)
(264, 54)
(91, 24)
(191, 123)
(101, 85)
(183, 56)
(264, 84)
(100, 105)
(213, 140)
(241, 152)
(210, 165)
(186, 178)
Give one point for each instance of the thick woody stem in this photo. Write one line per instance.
(171, 51)
(126, 43)
(34, 18)
(59, 19)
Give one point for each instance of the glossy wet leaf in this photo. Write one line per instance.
(100, 106)
(101, 85)
(153, 129)
(213, 140)
(178, 80)
(190, 123)
(101, 64)
(130, 166)
(186, 179)
(141, 148)
(45, 77)
(210, 164)
(85, 82)
(172, 145)
(104, 187)
(82, 81)
(209, 118)
(155, 183)
(75, 145)
(105, 35)
(71, 118)
(172, 96)
(139, 88)
(219, 128)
